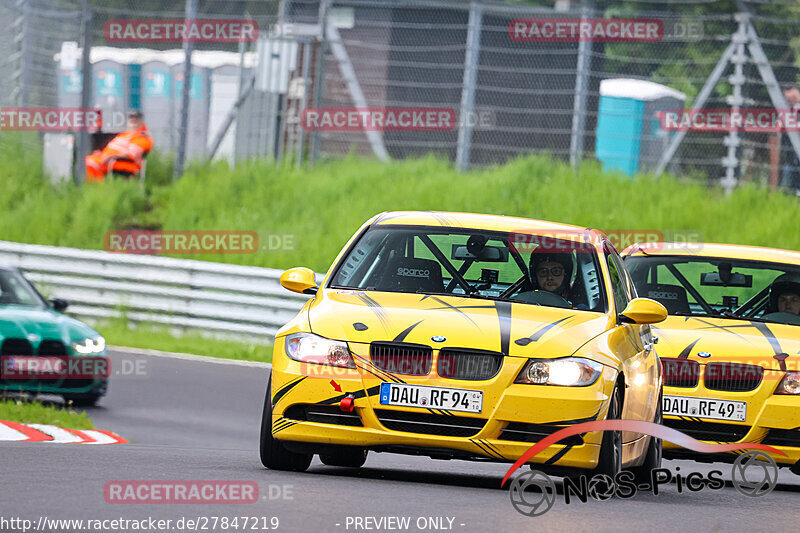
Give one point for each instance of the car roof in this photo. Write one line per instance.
(724, 251)
(475, 220)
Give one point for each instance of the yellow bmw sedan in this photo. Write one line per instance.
(730, 345)
(466, 336)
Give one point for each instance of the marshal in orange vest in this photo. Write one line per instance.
(125, 152)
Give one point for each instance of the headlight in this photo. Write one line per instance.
(567, 372)
(87, 346)
(310, 348)
(790, 384)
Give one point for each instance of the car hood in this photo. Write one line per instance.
(36, 323)
(512, 328)
(726, 339)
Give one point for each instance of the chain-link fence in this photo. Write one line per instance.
(514, 82)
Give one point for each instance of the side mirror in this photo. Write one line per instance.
(643, 311)
(299, 279)
(59, 304)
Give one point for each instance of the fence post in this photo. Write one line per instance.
(26, 51)
(471, 59)
(82, 146)
(735, 100)
(584, 65)
(301, 132)
(188, 46)
(319, 82)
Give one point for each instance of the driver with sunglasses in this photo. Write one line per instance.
(552, 272)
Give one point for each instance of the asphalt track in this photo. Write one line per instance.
(195, 420)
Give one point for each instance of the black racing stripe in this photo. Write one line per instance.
(454, 308)
(504, 316)
(372, 391)
(540, 332)
(286, 388)
(376, 308)
(559, 455)
(726, 329)
(494, 448)
(287, 426)
(687, 351)
(773, 341)
(403, 334)
(282, 424)
(486, 451)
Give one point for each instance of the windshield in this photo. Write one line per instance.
(730, 288)
(474, 263)
(14, 289)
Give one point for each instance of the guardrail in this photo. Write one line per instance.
(229, 300)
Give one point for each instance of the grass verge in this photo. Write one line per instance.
(32, 412)
(322, 206)
(155, 338)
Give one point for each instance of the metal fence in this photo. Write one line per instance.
(511, 98)
(246, 303)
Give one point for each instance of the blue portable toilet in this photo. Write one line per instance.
(629, 136)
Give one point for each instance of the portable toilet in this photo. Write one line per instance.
(629, 133)
(197, 133)
(111, 89)
(224, 93)
(156, 105)
(70, 85)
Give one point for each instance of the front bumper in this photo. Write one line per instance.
(306, 409)
(771, 419)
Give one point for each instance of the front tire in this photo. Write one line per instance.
(610, 461)
(654, 454)
(274, 454)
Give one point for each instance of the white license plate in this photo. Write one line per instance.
(469, 401)
(705, 408)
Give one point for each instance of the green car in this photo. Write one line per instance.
(43, 350)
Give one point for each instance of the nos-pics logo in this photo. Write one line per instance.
(753, 474)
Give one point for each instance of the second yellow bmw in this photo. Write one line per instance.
(466, 336)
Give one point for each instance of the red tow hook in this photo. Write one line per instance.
(347, 404)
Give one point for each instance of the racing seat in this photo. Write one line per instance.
(673, 297)
(408, 274)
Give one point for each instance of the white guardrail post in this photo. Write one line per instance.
(233, 301)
